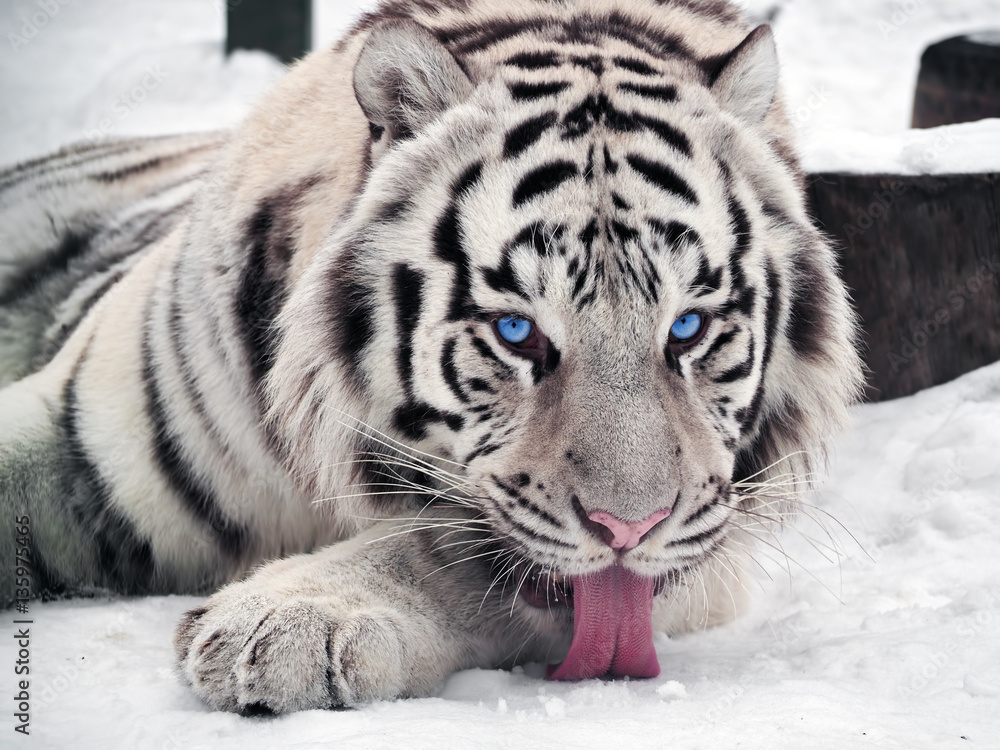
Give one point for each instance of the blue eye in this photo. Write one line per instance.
(514, 330)
(686, 327)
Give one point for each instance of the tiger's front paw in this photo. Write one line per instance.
(258, 654)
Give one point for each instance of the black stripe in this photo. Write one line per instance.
(534, 60)
(588, 234)
(621, 232)
(73, 245)
(742, 370)
(543, 180)
(720, 341)
(448, 246)
(503, 278)
(809, 324)
(179, 474)
(484, 450)
(134, 169)
(740, 222)
(742, 303)
(413, 418)
(590, 112)
(269, 236)
(610, 165)
(771, 312)
(523, 91)
(663, 177)
(178, 336)
(663, 93)
(537, 237)
(593, 63)
(701, 512)
(675, 231)
(594, 29)
(675, 138)
(547, 365)
(352, 315)
(707, 280)
(157, 225)
(486, 352)
(523, 501)
(635, 66)
(530, 533)
(125, 558)
(579, 29)
(480, 385)
(63, 161)
(701, 538)
(407, 292)
(450, 373)
(522, 137)
(67, 328)
(748, 416)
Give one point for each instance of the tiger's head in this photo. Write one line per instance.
(583, 278)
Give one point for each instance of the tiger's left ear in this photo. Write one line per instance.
(405, 78)
(748, 81)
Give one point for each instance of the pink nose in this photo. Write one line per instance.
(625, 534)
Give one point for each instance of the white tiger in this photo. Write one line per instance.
(492, 309)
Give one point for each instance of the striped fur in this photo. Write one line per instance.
(206, 338)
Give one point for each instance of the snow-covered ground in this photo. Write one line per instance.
(878, 626)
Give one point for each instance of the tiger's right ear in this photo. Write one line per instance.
(404, 79)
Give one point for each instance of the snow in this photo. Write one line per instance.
(952, 149)
(889, 640)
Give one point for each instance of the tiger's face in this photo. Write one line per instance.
(570, 285)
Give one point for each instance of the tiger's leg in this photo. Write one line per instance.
(376, 617)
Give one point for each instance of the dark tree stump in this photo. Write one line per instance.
(921, 256)
(281, 27)
(959, 81)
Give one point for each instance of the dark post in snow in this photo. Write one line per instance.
(921, 256)
(959, 81)
(281, 27)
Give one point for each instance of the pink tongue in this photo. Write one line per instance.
(612, 627)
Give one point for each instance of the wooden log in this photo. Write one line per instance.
(959, 81)
(281, 27)
(921, 256)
